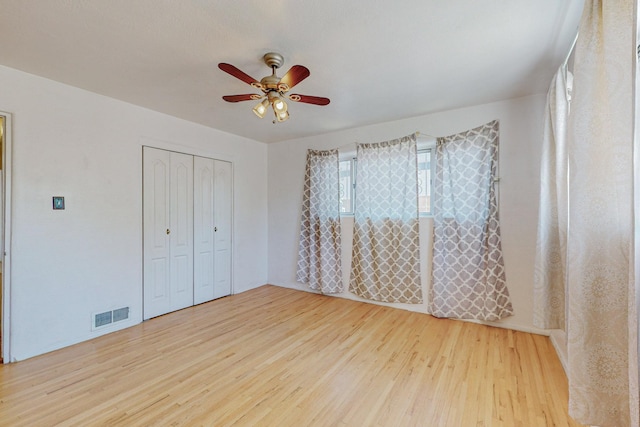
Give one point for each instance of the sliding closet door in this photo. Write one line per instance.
(157, 254)
(203, 172)
(212, 229)
(168, 231)
(181, 230)
(187, 230)
(222, 228)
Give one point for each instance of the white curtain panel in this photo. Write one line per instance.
(319, 256)
(602, 326)
(468, 268)
(553, 215)
(386, 258)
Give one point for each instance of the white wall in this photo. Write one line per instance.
(520, 133)
(66, 265)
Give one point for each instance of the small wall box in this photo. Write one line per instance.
(58, 203)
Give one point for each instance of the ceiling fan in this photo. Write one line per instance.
(274, 89)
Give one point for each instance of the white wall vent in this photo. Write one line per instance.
(121, 314)
(100, 320)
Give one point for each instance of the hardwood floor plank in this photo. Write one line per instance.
(279, 357)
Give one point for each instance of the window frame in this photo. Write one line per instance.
(352, 171)
(431, 151)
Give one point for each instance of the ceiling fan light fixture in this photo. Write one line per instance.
(261, 108)
(282, 116)
(279, 106)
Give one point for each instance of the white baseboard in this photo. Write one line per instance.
(559, 342)
(419, 308)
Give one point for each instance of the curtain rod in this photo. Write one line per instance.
(354, 144)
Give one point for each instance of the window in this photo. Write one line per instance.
(425, 184)
(347, 186)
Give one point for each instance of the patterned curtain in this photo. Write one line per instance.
(602, 335)
(386, 259)
(468, 270)
(551, 249)
(319, 260)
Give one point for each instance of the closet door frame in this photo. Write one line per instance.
(5, 249)
(199, 152)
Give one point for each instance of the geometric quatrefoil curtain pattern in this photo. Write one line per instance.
(386, 251)
(468, 267)
(319, 252)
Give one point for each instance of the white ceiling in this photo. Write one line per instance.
(377, 60)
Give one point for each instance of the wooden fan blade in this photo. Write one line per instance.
(235, 72)
(295, 75)
(238, 98)
(317, 100)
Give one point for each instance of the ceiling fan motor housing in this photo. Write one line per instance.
(270, 82)
(273, 59)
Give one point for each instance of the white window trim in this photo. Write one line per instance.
(352, 160)
(431, 151)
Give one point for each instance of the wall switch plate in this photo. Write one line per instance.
(58, 202)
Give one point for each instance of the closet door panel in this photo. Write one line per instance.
(223, 228)
(156, 287)
(203, 229)
(181, 230)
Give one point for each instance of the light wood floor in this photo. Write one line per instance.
(279, 357)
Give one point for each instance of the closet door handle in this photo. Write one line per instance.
(215, 229)
(168, 231)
